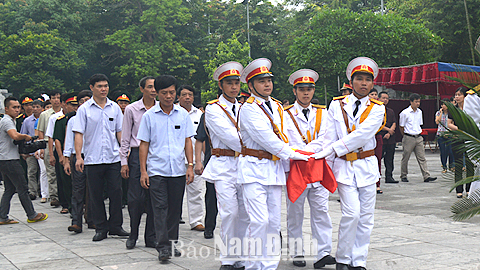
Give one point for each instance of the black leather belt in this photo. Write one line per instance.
(415, 136)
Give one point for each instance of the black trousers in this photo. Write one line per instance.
(458, 158)
(211, 210)
(166, 194)
(63, 198)
(139, 201)
(97, 176)
(79, 193)
(388, 155)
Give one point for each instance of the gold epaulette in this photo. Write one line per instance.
(60, 117)
(276, 100)
(319, 106)
(470, 92)
(477, 88)
(212, 101)
(340, 97)
(20, 115)
(288, 107)
(250, 99)
(376, 101)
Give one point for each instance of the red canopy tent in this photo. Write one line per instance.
(426, 79)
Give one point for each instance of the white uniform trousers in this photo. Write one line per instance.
(43, 179)
(234, 217)
(356, 224)
(263, 205)
(194, 201)
(320, 221)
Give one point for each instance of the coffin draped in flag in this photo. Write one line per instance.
(307, 172)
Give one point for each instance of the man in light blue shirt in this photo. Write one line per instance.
(165, 133)
(98, 129)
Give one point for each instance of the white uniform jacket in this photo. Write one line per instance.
(472, 107)
(223, 135)
(294, 137)
(364, 171)
(257, 133)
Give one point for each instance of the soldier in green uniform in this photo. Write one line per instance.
(59, 131)
(26, 102)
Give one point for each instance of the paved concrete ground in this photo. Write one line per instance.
(413, 230)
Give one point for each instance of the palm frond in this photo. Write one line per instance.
(465, 75)
(464, 181)
(467, 207)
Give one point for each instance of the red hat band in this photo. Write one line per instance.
(230, 72)
(27, 100)
(258, 71)
(72, 99)
(123, 97)
(363, 68)
(304, 79)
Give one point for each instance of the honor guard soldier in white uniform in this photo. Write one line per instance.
(220, 120)
(260, 171)
(306, 122)
(349, 147)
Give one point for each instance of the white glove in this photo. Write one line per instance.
(298, 156)
(323, 153)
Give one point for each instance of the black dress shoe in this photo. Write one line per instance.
(131, 243)
(404, 180)
(91, 226)
(324, 261)
(341, 266)
(299, 261)
(357, 268)
(391, 181)
(119, 232)
(227, 267)
(32, 197)
(239, 268)
(430, 179)
(208, 234)
(177, 253)
(181, 221)
(99, 236)
(164, 255)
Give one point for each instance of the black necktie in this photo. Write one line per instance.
(305, 112)
(269, 106)
(233, 110)
(357, 103)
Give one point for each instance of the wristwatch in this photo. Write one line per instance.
(190, 164)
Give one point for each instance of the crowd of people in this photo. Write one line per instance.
(246, 147)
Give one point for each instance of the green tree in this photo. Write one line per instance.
(334, 37)
(148, 45)
(232, 50)
(37, 60)
(446, 19)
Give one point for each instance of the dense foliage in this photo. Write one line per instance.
(59, 44)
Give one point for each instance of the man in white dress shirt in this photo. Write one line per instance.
(410, 123)
(349, 149)
(185, 95)
(220, 119)
(260, 170)
(306, 124)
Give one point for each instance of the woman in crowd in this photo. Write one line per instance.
(459, 156)
(441, 119)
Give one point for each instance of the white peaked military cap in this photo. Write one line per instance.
(258, 68)
(230, 70)
(362, 64)
(303, 76)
